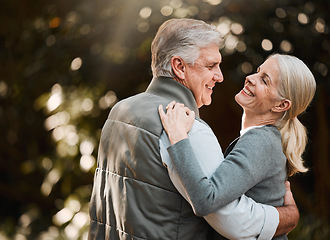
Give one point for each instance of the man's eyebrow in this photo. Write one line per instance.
(215, 63)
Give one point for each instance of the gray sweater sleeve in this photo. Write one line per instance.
(247, 165)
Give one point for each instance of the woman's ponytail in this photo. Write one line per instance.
(298, 85)
(294, 139)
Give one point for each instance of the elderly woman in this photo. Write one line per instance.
(270, 146)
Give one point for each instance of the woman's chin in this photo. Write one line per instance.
(237, 98)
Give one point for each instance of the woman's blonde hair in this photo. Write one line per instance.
(297, 84)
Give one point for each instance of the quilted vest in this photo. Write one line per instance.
(133, 196)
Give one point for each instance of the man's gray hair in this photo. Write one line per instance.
(183, 38)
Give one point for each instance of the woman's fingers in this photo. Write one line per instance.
(170, 105)
(190, 113)
(161, 111)
(177, 121)
(162, 114)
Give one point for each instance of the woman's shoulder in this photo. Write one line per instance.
(265, 145)
(268, 136)
(263, 133)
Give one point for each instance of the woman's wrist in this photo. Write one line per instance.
(176, 136)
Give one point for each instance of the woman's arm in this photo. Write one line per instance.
(206, 195)
(242, 170)
(283, 227)
(241, 219)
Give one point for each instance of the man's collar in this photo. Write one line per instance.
(172, 90)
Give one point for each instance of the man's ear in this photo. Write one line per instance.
(178, 67)
(283, 106)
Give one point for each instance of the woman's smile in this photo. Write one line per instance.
(247, 92)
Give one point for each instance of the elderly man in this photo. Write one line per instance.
(133, 196)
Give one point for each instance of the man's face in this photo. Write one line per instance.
(204, 74)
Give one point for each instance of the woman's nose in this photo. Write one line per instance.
(250, 79)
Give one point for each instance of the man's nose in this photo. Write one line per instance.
(218, 77)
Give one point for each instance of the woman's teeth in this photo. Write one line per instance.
(248, 92)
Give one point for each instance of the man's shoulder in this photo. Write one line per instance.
(202, 122)
(200, 125)
(142, 99)
(140, 111)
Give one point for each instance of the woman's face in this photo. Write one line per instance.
(260, 93)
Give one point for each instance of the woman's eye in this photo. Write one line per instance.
(264, 81)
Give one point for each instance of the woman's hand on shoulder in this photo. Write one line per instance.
(177, 121)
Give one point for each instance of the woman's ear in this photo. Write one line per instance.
(178, 67)
(283, 106)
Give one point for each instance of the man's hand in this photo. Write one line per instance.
(289, 213)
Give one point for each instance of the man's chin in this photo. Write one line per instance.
(207, 103)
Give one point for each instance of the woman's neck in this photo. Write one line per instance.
(253, 120)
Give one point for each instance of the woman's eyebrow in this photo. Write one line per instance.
(267, 76)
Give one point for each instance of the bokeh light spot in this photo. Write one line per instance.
(86, 147)
(280, 12)
(46, 163)
(246, 67)
(181, 13)
(55, 22)
(143, 27)
(321, 68)
(52, 177)
(320, 25)
(80, 220)
(55, 99)
(145, 12)
(278, 27)
(166, 11)
(50, 41)
(107, 100)
(71, 232)
(231, 42)
(237, 28)
(303, 18)
(56, 120)
(85, 29)
(87, 162)
(62, 216)
(267, 45)
(87, 105)
(76, 64)
(286, 46)
(309, 7)
(224, 28)
(176, 3)
(3, 89)
(213, 2)
(241, 46)
(193, 10)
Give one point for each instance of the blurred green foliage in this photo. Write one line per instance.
(64, 64)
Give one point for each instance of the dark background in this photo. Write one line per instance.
(63, 64)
